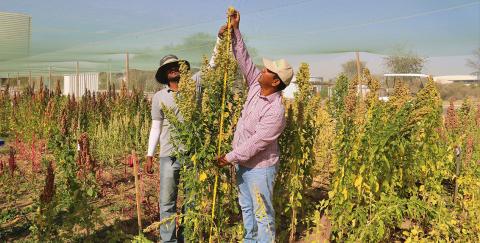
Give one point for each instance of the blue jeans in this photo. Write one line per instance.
(255, 198)
(169, 177)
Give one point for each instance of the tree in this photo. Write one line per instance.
(474, 63)
(350, 68)
(404, 61)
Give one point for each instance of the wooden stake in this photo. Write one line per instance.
(137, 192)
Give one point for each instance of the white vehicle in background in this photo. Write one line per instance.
(415, 82)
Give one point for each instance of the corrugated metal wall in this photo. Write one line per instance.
(86, 81)
(15, 35)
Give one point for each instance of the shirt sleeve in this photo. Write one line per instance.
(211, 63)
(267, 131)
(157, 121)
(244, 60)
(198, 75)
(155, 132)
(157, 113)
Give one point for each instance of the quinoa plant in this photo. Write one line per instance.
(196, 139)
(391, 167)
(297, 157)
(5, 111)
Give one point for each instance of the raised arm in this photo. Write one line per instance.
(198, 75)
(244, 60)
(211, 63)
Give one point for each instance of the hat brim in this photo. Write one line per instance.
(269, 65)
(161, 75)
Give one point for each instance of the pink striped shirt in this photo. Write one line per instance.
(255, 142)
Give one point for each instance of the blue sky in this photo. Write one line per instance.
(323, 32)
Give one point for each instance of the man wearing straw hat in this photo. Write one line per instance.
(169, 74)
(255, 143)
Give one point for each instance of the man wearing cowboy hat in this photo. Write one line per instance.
(255, 143)
(168, 73)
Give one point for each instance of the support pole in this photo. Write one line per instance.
(18, 81)
(49, 77)
(109, 79)
(126, 71)
(77, 81)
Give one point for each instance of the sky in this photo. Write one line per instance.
(323, 33)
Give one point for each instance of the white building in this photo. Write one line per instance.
(317, 84)
(86, 81)
(467, 79)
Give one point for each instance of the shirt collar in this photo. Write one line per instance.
(270, 98)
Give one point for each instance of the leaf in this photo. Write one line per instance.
(202, 177)
(224, 187)
(362, 168)
(377, 186)
(345, 193)
(358, 182)
(194, 160)
(90, 192)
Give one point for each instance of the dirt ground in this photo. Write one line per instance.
(116, 200)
